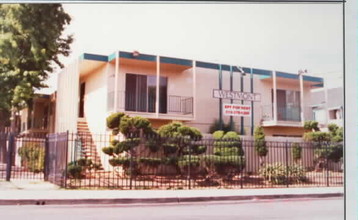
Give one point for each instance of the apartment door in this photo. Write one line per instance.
(82, 100)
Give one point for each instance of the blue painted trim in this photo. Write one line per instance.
(96, 57)
(177, 61)
(313, 79)
(207, 65)
(262, 72)
(318, 85)
(140, 57)
(287, 75)
(112, 56)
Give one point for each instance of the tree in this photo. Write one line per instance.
(31, 43)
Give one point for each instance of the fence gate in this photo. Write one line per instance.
(56, 158)
(22, 156)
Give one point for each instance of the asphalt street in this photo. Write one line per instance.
(293, 209)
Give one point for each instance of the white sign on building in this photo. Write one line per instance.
(245, 96)
(237, 110)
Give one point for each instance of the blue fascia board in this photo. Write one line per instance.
(319, 85)
(177, 61)
(207, 65)
(313, 79)
(262, 72)
(96, 57)
(287, 75)
(139, 57)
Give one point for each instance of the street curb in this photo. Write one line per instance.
(123, 201)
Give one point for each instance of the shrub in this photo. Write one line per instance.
(32, 157)
(169, 148)
(170, 161)
(225, 165)
(296, 151)
(74, 171)
(120, 161)
(153, 145)
(185, 161)
(260, 143)
(113, 121)
(216, 126)
(317, 136)
(311, 126)
(150, 161)
(228, 151)
(278, 173)
(77, 169)
(218, 134)
(231, 135)
(108, 150)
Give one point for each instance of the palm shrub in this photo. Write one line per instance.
(77, 169)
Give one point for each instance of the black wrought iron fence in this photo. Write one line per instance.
(74, 160)
(154, 162)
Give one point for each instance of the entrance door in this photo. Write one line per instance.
(82, 100)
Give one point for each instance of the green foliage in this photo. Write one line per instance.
(296, 151)
(333, 152)
(150, 161)
(78, 168)
(185, 161)
(317, 136)
(231, 135)
(32, 156)
(153, 145)
(218, 134)
(278, 173)
(215, 126)
(260, 143)
(132, 125)
(171, 160)
(120, 161)
(74, 171)
(170, 148)
(228, 151)
(224, 165)
(108, 150)
(311, 126)
(113, 121)
(31, 43)
(178, 130)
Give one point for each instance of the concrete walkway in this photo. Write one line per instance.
(41, 193)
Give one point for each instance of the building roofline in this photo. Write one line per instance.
(186, 62)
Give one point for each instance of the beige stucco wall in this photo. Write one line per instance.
(67, 99)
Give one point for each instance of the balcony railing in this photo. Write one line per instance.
(171, 104)
(288, 113)
(180, 104)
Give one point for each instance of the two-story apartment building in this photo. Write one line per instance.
(165, 89)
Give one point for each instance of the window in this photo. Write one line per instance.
(288, 105)
(335, 114)
(141, 93)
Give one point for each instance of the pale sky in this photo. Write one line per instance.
(285, 37)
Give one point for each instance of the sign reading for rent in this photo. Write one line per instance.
(237, 110)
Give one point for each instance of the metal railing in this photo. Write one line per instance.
(180, 104)
(289, 113)
(153, 162)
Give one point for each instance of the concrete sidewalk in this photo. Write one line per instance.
(32, 193)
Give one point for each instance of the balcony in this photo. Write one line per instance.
(171, 107)
(286, 116)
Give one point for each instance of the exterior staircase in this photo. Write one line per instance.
(88, 146)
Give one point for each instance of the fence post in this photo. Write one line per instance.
(287, 170)
(189, 186)
(327, 171)
(9, 156)
(66, 156)
(46, 161)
